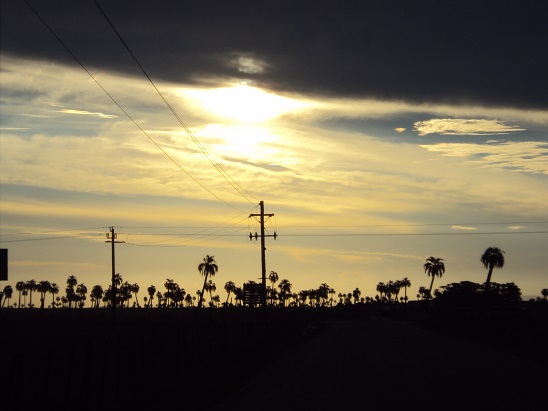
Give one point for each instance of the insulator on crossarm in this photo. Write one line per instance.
(275, 235)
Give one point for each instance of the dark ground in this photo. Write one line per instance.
(290, 359)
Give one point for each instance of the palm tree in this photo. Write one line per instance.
(273, 277)
(19, 286)
(207, 267)
(210, 287)
(229, 288)
(43, 287)
(434, 267)
(96, 295)
(151, 291)
(71, 283)
(81, 290)
(492, 258)
(31, 285)
(53, 290)
(285, 290)
(135, 290)
(8, 292)
(405, 283)
(544, 293)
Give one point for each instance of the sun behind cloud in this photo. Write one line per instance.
(243, 103)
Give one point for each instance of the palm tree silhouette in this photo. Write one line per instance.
(81, 290)
(207, 267)
(8, 292)
(434, 267)
(544, 293)
(492, 258)
(96, 295)
(285, 290)
(30, 286)
(53, 289)
(210, 287)
(405, 283)
(229, 288)
(71, 283)
(151, 291)
(19, 286)
(43, 287)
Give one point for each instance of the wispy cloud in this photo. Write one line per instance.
(464, 228)
(86, 113)
(462, 127)
(525, 156)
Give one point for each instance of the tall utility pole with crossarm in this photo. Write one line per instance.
(111, 238)
(262, 216)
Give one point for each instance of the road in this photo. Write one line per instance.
(380, 364)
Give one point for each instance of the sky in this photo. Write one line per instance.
(378, 133)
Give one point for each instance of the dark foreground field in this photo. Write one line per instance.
(284, 360)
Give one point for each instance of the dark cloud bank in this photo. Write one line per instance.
(487, 52)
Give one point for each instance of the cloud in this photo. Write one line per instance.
(332, 51)
(463, 228)
(86, 113)
(462, 127)
(523, 156)
(400, 129)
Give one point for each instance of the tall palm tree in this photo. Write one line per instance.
(43, 287)
(273, 277)
(19, 286)
(229, 288)
(405, 283)
(492, 258)
(53, 290)
(135, 290)
(96, 295)
(30, 285)
(71, 294)
(208, 267)
(434, 267)
(356, 295)
(544, 293)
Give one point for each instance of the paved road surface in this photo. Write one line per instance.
(387, 365)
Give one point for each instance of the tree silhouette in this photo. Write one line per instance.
(8, 292)
(210, 287)
(20, 287)
(544, 293)
(151, 291)
(434, 267)
(81, 290)
(43, 288)
(285, 290)
(96, 295)
(207, 267)
(71, 295)
(273, 278)
(405, 283)
(492, 258)
(30, 286)
(229, 288)
(53, 290)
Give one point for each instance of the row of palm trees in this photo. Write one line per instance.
(281, 295)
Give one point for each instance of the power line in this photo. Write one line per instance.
(122, 109)
(217, 166)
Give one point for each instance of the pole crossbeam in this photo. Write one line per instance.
(262, 216)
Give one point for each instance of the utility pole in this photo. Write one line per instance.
(262, 216)
(111, 238)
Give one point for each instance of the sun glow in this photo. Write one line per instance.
(244, 103)
(241, 141)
